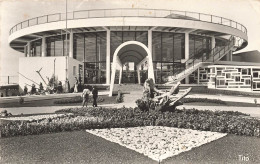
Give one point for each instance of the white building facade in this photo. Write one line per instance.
(109, 46)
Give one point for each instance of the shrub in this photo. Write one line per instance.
(77, 99)
(21, 100)
(92, 118)
(120, 97)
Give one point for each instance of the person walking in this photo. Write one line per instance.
(95, 96)
(76, 85)
(85, 96)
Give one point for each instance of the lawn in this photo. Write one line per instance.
(82, 147)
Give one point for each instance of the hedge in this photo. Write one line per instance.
(77, 99)
(92, 118)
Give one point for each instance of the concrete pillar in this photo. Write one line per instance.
(198, 82)
(25, 51)
(187, 53)
(71, 45)
(150, 58)
(44, 46)
(108, 58)
(28, 49)
(213, 42)
(138, 74)
(150, 39)
(120, 75)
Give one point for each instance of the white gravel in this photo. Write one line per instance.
(157, 142)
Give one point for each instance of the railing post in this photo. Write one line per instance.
(37, 21)
(199, 16)
(28, 23)
(8, 80)
(60, 16)
(47, 18)
(211, 18)
(221, 21)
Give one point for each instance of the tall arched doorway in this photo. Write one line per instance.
(131, 52)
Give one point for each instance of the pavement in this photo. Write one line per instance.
(237, 98)
(252, 111)
(129, 101)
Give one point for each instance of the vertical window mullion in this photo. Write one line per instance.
(173, 54)
(161, 58)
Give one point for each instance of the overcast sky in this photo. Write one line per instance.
(246, 12)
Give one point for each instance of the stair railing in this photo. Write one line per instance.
(216, 51)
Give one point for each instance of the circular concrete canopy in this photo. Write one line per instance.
(125, 20)
(132, 53)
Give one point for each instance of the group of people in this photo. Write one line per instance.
(40, 90)
(85, 95)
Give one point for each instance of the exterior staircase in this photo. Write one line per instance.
(194, 63)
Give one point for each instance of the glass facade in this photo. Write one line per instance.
(199, 45)
(90, 48)
(56, 45)
(119, 37)
(168, 49)
(36, 48)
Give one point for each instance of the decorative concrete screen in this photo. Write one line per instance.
(242, 78)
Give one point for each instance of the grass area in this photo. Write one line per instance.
(82, 147)
(224, 150)
(67, 147)
(51, 102)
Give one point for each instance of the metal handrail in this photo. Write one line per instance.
(122, 12)
(214, 52)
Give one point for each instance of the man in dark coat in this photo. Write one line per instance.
(95, 96)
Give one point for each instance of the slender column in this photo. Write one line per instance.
(28, 49)
(44, 46)
(71, 45)
(25, 51)
(108, 58)
(198, 76)
(187, 54)
(150, 57)
(213, 42)
(120, 75)
(138, 74)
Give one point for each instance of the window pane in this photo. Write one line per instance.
(90, 47)
(167, 47)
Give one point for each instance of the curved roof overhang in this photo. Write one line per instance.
(20, 38)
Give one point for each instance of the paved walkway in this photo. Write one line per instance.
(243, 99)
(253, 111)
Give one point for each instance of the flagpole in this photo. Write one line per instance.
(66, 50)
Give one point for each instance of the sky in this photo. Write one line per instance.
(246, 12)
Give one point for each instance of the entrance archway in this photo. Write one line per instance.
(131, 51)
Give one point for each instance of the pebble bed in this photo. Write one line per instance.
(157, 142)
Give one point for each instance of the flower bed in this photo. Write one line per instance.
(99, 118)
